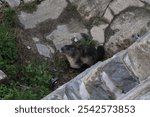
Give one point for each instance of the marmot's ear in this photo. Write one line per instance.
(101, 52)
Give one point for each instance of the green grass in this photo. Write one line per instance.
(8, 50)
(33, 83)
(28, 81)
(89, 42)
(29, 7)
(9, 17)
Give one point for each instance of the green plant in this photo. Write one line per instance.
(89, 42)
(33, 83)
(36, 77)
(9, 17)
(36, 74)
(32, 80)
(8, 50)
(29, 7)
(12, 91)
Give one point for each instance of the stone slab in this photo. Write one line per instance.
(48, 9)
(3, 76)
(119, 35)
(89, 9)
(44, 50)
(63, 34)
(119, 5)
(13, 3)
(97, 33)
(138, 57)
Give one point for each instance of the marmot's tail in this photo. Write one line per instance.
(101, 53)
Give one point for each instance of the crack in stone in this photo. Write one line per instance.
(106, 8)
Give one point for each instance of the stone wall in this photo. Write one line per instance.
(124, 76)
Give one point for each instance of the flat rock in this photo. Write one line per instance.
(119, 5)
(108, 15)
(97, 33)
(44, 50)
(13, 3)
(140, 92)
(3, 76)
(48, 9)
(63, 34)
(119, 74)
(90, 8)
(119, 35)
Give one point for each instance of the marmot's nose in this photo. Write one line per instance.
(62, 49)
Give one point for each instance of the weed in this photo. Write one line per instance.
(9, 17)
(32, 82)
(36, 74)
(29, 7)
(8, 50)
(89, 42)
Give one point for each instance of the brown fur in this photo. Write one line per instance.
(80, 53)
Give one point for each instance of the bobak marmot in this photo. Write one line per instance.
(83, 52)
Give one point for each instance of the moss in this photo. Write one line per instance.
(29, 7)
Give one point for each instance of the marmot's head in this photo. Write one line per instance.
(71, 51)
(73, 55)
